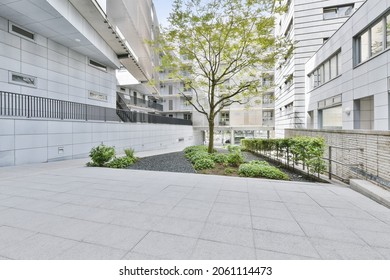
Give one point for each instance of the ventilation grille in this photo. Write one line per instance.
(22, 32)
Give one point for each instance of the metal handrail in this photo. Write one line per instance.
(330, 160)
(28, 106)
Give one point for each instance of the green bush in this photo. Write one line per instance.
(229, 170)
(129, 153)
(235, 158)
(255, 170)
(204, 163)
(101, 155)
(232, 148)
(308, 151)
(121, 162)
(199, 155)
(219, 158)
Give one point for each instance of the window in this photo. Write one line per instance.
(377, 38)
(289, 29)
(388, 31)
(338, 11)
(289, 80)
(373, 40)
(267, 116)
(187, 117)
(170, 105)
(170, 90)
(97, 65)
(334, 71)
(21, 32)
(325, 72)
(225, 118)
(21, 79)
(289, 108)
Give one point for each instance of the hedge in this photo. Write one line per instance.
(308, 151)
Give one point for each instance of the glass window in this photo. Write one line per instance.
(388, 31)
(330, 13)
(364, 51)
(345, 11)
(333, 67)
(316, 78)
(320, 76)
(326, 71)
(338, 63)
(377, 38)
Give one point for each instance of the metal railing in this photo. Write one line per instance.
(344, 171)
(27, 106)
(139, 102)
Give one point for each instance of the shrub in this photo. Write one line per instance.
(260, 162)
(121, 162)
(219, 158)
(229, 170)
(192, 149)
(129, 153)
(199, 155)
(233, 149)
(235, 158)
(101, 155)
(261, 170)
(204, 163)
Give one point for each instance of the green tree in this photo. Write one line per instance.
(219, 49)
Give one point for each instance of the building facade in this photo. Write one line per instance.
(347, 80)
(62, 64)
(307, 24)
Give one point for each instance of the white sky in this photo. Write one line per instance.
(163, 8)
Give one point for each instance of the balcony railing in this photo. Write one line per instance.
(131, 100)
(27, 106)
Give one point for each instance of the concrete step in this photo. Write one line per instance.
(372, 191)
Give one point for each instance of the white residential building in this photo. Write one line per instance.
(347, 80)
(308, 24)
(61, 65)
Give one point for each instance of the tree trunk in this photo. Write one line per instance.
(211, 135)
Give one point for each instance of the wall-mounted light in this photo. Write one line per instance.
(347, 111)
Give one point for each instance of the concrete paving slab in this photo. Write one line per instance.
(242, 209)
(285, 243)
(191, 214)
(270, 255)
(209, 250)
(166, 246)
(276, 225)
(227, 234)
(179, 227)
(375, 239)
(10, 235)
(337, 233)
(117, 237)
(230, 219)
(64, 210)
(336, 250)
(38, 247)
(85, 251)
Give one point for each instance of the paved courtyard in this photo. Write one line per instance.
(63, 210)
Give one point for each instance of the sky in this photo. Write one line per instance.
(163, 8)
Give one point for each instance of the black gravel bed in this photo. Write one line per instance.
(294, 176)
(172, 162)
